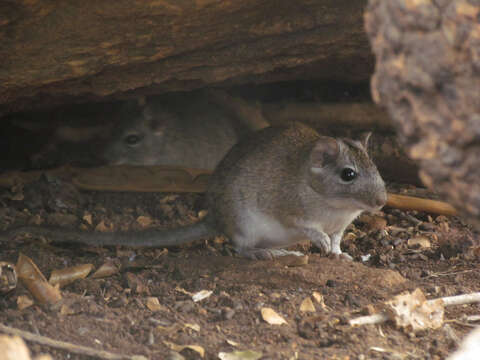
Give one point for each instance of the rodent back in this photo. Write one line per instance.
(260, 172)
(201, 137)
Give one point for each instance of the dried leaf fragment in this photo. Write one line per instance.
(24, 302)
(319, 299)
(35, 282)
(183, 291)
(102, 227)
(202, 214)
(8, 277)
(240, 355)
(307, 305)
(178, 348)
(165, 330)
(107, 269)
(154, 305)
(271, 317)
(202, 294)
(88, 218)
(412, 311)
(194, 327)
(233, 343)
(68, 275)
(144, 221)
(419, 242)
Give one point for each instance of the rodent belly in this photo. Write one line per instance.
(263, 231)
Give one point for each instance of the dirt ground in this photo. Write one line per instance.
(114, 313)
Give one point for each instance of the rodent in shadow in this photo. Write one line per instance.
(183, 129)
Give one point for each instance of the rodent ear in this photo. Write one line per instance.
(162, 119)
(325, 151)
(363, 139)
(157, 127)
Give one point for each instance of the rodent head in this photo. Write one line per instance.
(342, 171)
(138, 138)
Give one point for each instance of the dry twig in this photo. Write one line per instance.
(77, 349)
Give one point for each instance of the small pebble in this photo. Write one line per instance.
(228, 313)
(331, 283)
(119, 302)
(397, 241)
(427, 226)
(385, 242)
(82, 331)
(185, 306)
(238, 305)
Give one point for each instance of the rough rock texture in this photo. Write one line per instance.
(56, 51)
(428, 77)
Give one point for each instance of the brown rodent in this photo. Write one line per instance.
(274, 188)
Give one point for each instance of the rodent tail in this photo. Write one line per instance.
(143, 238)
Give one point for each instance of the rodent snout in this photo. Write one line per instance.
(381, 199)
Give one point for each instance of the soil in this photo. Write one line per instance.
(113, 313)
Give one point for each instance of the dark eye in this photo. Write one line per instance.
(132, 139)
(348, 174)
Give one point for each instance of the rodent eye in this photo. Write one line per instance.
(348, 174)
(132, 139)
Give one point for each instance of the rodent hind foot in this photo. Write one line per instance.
(340, 256)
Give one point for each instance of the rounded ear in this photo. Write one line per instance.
(363, 139)
(325, 151)
(162, 120)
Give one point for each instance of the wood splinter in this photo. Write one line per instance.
(404, 202)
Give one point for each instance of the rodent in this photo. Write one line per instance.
(274, 188)
(183, 129)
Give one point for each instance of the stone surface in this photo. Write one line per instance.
(56, 52)
(428, 77)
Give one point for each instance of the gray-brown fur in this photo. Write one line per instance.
(273, 189)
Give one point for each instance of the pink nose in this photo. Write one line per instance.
(381, 199)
